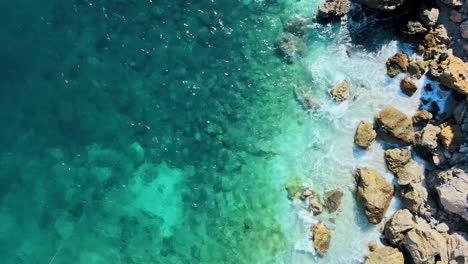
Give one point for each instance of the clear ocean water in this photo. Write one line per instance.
(164, 131)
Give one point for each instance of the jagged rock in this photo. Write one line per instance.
(451, 137)
(458, 248)
(384, 256)
(291, 47)
(453, 193)
(372, 246)
(412, 172)
(425, 245)
(297, 25)
(394, 126)
(426, 140)
(374, 192)
(421, 118)
(396, 159)
(397, 63)
(413, 197)
(315, 204)
(365, 135)
(382, 5)
(398, 225)
(333, 10)
(417, 69)
(428, 15)
(333, 200)
(464, 29)
(407, 86)
(435, 42)
(452, 72)
(414, 28)
(321, 236)
(340, 91)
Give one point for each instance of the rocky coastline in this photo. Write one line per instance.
(432, 226)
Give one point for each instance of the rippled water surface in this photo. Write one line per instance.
(164, 131)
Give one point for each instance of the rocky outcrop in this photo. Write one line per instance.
(365, 135)
(385, 255)
(413, 197)
(394, 126)
(333, 200)
(321, 237)
(421, 118)
(290, 47)
(332, 10)
(397, 63)
(408, 86)
(425, 245)
(398, 225)
(382, 5)
(340, 92)
(374, 192)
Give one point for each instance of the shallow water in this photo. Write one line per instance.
(164, 132)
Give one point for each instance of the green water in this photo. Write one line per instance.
(164, 131)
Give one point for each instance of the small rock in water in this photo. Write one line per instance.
(306, 193)
(374, 192)
(321, 236)
(333, 200)
(340, 92)
(394, 126)
(372, 246)
(408, 86)
(385, 255)
(365, 135)
(397, 63)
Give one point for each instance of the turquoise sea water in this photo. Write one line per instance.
(164, 131)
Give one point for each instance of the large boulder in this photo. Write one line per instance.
(458, 247)
(333, 200)
(374, 192)
(321, 237)
(397, 63)
(291, 47)
(365, 135)
(425, 245)
(333, 10)
(413, 197)
(381, 4)
(396, 159)
(394, 126)
(340, 92)
(385, 255)
(398, 225)
(453, 193)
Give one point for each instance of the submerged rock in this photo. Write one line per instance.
(297, 25)
(333, 200)
(340, 92)
(385, 255)
(413, 197)
(291, 47)
(333, 10)
(365, 135)
(408, 86)
(396, 159)
(398, 225)
(374, 192)
(394, 126)
(321, 236)
(421, 118)
(397, 63)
